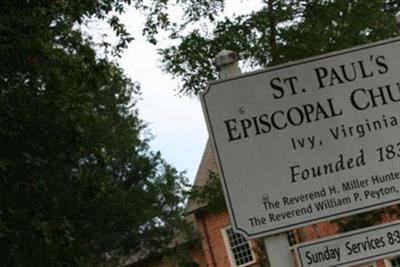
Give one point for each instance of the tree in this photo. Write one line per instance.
(79, 184)
(281, 31)
(327, 26)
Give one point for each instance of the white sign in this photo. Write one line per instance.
(308, 141)
(351, 248)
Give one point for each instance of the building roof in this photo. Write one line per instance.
(208, 164)
(179, 239)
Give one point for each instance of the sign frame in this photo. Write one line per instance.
(347, 237)
(227, 194)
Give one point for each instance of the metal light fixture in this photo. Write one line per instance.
(397, 16)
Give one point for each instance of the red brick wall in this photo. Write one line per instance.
(319, 230)
(210, 226)
(213, 244)
(215, 251)
(199, 257)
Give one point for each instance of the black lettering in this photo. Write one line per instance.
(276, 86)
(263, 119)
(294, 173)
(232, 129)
(380, 61)
(321, 74)
(274, 122)
(377, 95)
(246, 124)
(291, 116)
(335, 76)
(357, 104)
(292, 87)
(308, 110)
(363, 71)
(345, 73)
(389, 89)
(258, 132)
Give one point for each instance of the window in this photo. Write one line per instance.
(239, 249)
(367, 265)
(291, 235)
(395, 262)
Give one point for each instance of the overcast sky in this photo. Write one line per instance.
(176, 122)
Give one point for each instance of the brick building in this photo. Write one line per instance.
(222, 247)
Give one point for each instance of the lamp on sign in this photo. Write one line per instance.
(398, 19)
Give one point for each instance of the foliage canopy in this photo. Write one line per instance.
(78, 181)
(79, 185)
(281, 31)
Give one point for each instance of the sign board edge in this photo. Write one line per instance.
(299, 62)
(344, 235)
(216, 153)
